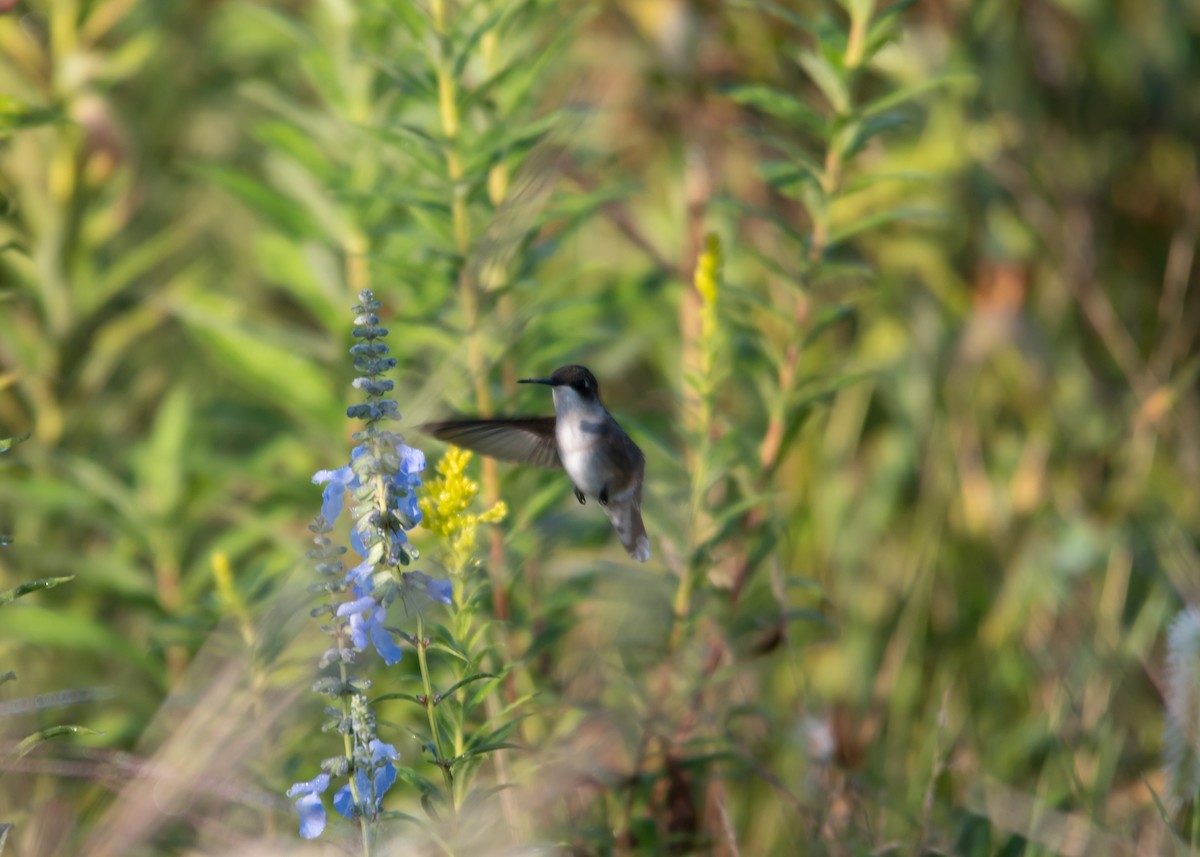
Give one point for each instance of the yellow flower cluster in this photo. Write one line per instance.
(444, 506)
(708, 270)
(707, 279)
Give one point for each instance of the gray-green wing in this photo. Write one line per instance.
(528, 440)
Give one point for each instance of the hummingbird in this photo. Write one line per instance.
(582, 438)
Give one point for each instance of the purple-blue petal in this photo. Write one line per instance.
(380, 751)
(334, 494)
(358, 631)
(312, 815)
(441, 590)
(315, 786)
(411, 460)
(343, 801)
(384, 643)
(407, 505)
(356, 542)
(359, 573)
(359, 605)
(323, 476)
(331, 502)
(384, 778)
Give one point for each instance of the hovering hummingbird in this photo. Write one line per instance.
(581, 438)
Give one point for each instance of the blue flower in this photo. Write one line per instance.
(436, 590)
(403, 494)
(356, 542)
(343, 801)
(406, 481)
(371, 789)
(412, 461)
(309, 806)
(359, 575)
(336, 483)
(440, 590)
(382, 756)
(366, 623)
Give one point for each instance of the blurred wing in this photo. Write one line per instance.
(529, 440)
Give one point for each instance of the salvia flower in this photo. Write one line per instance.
(312, 811)
(378, 487)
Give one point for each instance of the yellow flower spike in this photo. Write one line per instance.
(708, 283)
(708, 269)
(230, 597)
(445, 503)
(223, 574)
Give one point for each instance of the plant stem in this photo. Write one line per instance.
(364, 825)
(441, 760)
(468, 288)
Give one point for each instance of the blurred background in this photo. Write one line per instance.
(920, 416)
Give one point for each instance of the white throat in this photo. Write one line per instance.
(570, 406)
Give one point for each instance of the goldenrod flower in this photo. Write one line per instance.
(446, 501)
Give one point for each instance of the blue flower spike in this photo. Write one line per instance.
(382, 480)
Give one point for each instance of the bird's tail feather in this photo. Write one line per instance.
(627, 521)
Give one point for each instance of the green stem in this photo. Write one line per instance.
(364, 825)
(441, 761)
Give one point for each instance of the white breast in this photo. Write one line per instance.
(576, 435)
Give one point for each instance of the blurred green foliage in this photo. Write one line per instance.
(922, 438)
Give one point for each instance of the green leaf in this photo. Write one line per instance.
(779, 104)
(477, 797)
(15, 116)
(397, 815)
(37, 626)
(882, 218)
(884, 27)
(138, 261)
(409, 697)
(33, 586)
(783, 224)
(285, 213)
(444, 695)
(9, 442)
(48, 733)
(808, 614)
(264, 356)
(160, 462)
(794, 151)
(870, 180)
(782, 175)
(826, 320)
(831, 81)
(784, 14)
(465, 45)
(410, 16)
(492, 149)
(450, 650)
(289, 139)
(862, 132)
(481, 93)
(1164, 815)
(484, 749)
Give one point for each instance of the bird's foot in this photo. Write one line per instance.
(579, 496)
(603, 498)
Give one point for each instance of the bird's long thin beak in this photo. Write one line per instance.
(536, 381)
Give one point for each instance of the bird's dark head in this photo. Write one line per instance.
(577, 378)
